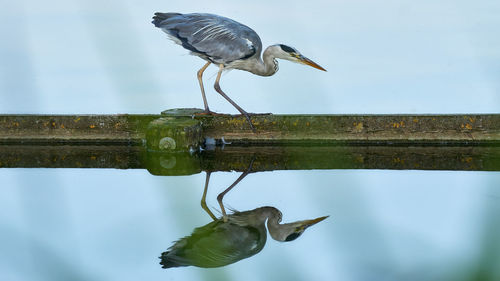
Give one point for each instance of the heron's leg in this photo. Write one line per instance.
(200, 75)
(221, 195)
(204, 197)
(219, 90)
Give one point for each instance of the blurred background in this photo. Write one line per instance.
(381, 56)
(86, 57)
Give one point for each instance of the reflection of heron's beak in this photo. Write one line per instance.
(309, 62)
(308, 223)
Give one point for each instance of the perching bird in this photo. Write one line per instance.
(222, 243)
(227, 44)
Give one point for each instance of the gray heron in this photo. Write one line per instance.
(222, 243)
(225, 241)
(227, 44)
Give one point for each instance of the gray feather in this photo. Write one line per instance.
(214, 38)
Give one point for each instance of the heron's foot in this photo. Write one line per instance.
(206, 209)
(254, 114)
(250, 123)
(225, 218)
(259, 114)
(209, 112)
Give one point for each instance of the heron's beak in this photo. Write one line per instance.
(309, 62)
(308, 223)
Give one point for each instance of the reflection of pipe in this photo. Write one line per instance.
(232, 238)
(233, 158)
(479, 158)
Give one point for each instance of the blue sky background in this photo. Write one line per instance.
(381, 57)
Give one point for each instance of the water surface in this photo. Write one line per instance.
(88, 224)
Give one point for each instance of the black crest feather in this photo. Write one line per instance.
(287, 48)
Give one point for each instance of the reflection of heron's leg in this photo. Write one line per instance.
(200, 74)
(203, 198)
(221, 195)
(219, 90)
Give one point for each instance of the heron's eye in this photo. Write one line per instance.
(287, 48)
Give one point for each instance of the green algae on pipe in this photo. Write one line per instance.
(356, 129)
(469, 129)
(74, 129)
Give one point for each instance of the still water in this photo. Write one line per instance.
(107, 224)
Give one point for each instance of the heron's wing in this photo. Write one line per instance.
(214, 245)
(216, 38)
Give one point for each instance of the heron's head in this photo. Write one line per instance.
(289, 53)
(291, 231)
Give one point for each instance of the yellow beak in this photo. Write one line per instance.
(308, 223)
(309, 62)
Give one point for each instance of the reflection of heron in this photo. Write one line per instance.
(221, 243)
(227, 44)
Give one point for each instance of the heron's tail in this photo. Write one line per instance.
(168, 261)
(158, 18)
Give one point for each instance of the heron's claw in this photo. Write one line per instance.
(246, 115)
(209, 112)
(254, 114)
(259, 114)
(251, 125)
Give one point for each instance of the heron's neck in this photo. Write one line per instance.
(268, 65)
(273, 221)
